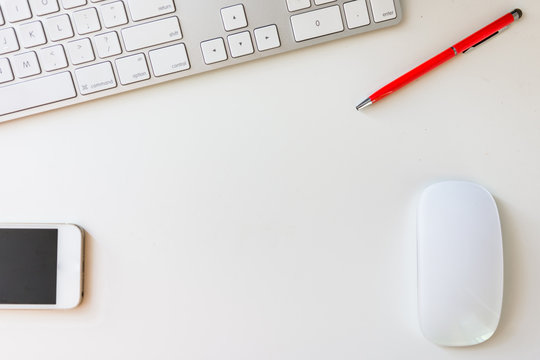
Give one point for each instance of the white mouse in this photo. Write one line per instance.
(460, 264)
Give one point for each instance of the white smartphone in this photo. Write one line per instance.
(41, 266)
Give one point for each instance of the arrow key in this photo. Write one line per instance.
(267, 38)
(213, 51)
(240, 44)
(234, 17)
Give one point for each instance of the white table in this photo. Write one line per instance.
(252, 213)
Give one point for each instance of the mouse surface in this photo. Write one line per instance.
(460, 264)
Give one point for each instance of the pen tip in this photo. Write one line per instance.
(517, 12)
(364, 104)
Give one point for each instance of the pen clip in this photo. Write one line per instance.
(486, 39)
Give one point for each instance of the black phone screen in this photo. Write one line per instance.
(28, 263)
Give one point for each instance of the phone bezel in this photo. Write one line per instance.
(69, 267)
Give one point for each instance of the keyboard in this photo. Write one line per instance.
(55, 53)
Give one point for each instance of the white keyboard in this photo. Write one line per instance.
(55, 53)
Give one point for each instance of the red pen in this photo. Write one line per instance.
(461, 47)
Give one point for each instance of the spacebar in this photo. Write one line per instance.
(36, 92)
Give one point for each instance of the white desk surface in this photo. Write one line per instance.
(252, 213)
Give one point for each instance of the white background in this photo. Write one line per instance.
(252, 213)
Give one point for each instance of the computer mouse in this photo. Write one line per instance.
(460, 264)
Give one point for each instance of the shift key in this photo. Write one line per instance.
(152, 33)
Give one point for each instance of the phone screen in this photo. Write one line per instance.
(28, 263)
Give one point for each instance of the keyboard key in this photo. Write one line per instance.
(80, 51)
(240, 44)
(36, 92)
(356, 14)
(294, 5)
(145, 9)
(152, 33)
(8, 41)
(213, 51)
(170, 59)
(26, 64)
(132, 69)
(15, 10)
(267, 38)
(86, 21)
(320, 2)
(317, 23)
(59, 27)
(383, 10)
(2, 22)
(113, 14)
(5, 71)
(32, 34)
(70, 4)
(234, 17)
(95, 78)
(107, 44)
(53, 58)
(44, 7)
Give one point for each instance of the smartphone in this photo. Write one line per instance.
(41, 266)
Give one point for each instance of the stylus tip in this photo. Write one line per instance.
(517, 12)
(364, 104)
